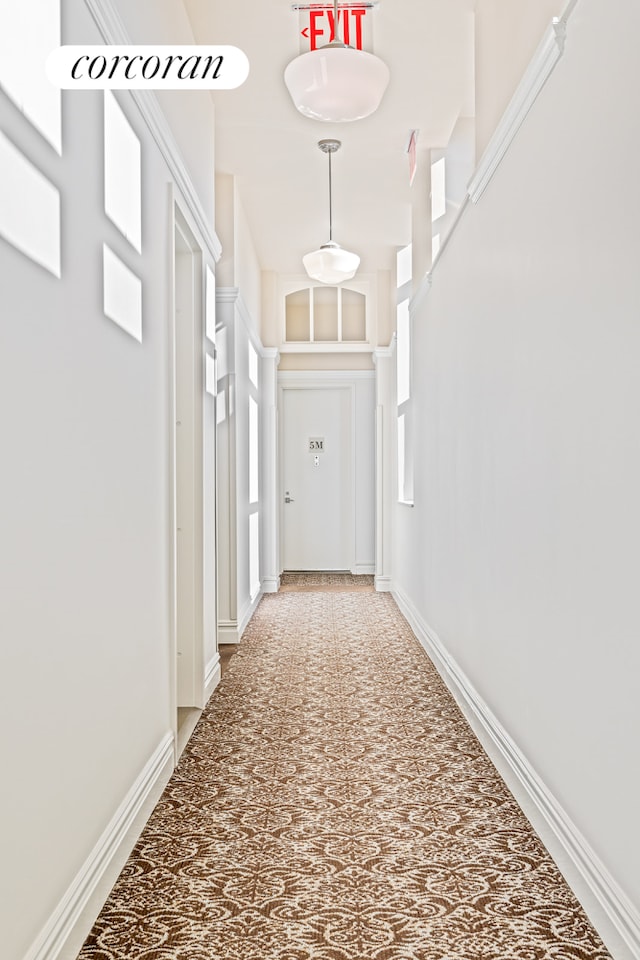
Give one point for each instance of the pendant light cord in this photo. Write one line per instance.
(336, 38)
(330, 213)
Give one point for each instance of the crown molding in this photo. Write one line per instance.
(114, 32)
(538, 72)
(232, 295)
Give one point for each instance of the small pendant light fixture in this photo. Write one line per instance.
(336, 82)
(330, 264)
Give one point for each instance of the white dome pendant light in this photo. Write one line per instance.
(336, 82)
(331, 264)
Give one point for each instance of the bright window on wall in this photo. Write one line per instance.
(403, 376)
(254, 474)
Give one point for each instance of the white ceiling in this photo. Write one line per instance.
(272, 149)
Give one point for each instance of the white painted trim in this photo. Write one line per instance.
(74, 916)
(271, 584)
(385, 353)
(327, 346)
(538, 72)
(445, 242)
(232, 295)
(422, 290)
(363, 569)
(383, 584)
(113, 31)
(313, 379)
(228, 632)
(247, 612)
(621, 913)
(212, 675)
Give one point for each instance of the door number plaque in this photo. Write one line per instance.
(316, 444)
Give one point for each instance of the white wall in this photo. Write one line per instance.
(85, 658)
(521, 552)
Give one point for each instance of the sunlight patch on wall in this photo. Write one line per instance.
(223, 353)
(221, 406)
(253, 365)
(28, 33)
(122, 294)
(254, 554)
(210, 303)
(253, 451)
(438, 190)
(403, 355)
(403, 265)
(122, 173)
(29, 209)
(210, 384)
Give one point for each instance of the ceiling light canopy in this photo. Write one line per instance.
(330, 263)
(336, 83)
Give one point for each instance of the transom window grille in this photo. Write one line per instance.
(325, 315)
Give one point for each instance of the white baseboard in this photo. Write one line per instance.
(71, 921)
(618, 921)
(383, 584)
(247, 612)
(271, 584)
(228, 631)
(212, 676)
(363, 569)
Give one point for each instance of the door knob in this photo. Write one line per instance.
(288, 499)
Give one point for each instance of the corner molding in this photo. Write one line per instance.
(382, 584)
(271, 584)
(422, 290)
(232, 295)
(247, 612)
(384, 353)
(623, 916)
(113, 31)
(538, 72)
(228, 631)
(104, 861)
(319, 378)
(212, 675)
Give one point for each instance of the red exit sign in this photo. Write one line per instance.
(318, 24)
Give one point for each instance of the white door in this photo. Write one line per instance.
(317, 500)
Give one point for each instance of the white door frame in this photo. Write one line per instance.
(186, 379)
(320, 380)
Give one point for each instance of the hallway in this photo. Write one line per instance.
(190, 413)
(333, 804)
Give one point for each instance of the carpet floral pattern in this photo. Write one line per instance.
(333, 804)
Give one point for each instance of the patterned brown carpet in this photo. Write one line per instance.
(330, 580)
(333, 804)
